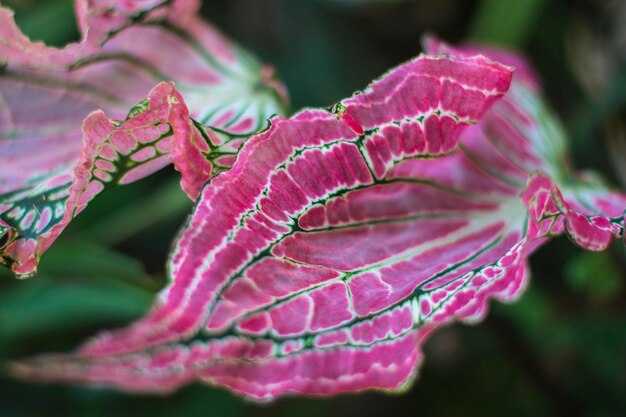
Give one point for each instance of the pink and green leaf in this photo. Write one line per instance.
(58, 188)
(98, 21)
(341, 239)
(46, 93)
(522, 127)
(315, 265)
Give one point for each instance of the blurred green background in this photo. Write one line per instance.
(559, 351)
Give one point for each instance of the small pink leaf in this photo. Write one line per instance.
(319, 262)
(126, 49)
(593, 214)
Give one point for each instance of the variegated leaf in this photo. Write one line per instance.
(337, 241)
(98, 21)
(113, 153)
(522, 128)
(127, 48)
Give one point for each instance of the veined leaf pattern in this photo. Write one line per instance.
(317, 264)
(522, 128)
(341, 239)
(127, 48)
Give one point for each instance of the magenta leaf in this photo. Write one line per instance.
(341, 239)
(319, 262)
(58, 184)
(521, 127)
(127, 47)
(98, 22)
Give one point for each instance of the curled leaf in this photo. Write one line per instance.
(524, 129)
(113, 153)
(98, 22)
(315, 265)
(126, 48)
(340, 240)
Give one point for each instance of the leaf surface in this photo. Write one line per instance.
(341, 239)
(127, 47)
(522, 128)
(316, 265)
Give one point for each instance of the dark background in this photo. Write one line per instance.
(559, 351)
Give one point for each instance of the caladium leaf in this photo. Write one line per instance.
(56, 190)
(314, 265)
(98, 21)
(521, 127)
(127, 48)
(339, 240)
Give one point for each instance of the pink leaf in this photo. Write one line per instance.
(321, 260)
(523, 128)
(98, 20)
(524, 72)
(112, 153)
(126, 49)
(340, 240)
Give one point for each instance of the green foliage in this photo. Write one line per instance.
(594, 274)
(79, 285)
(505, 23)
(34, 18)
